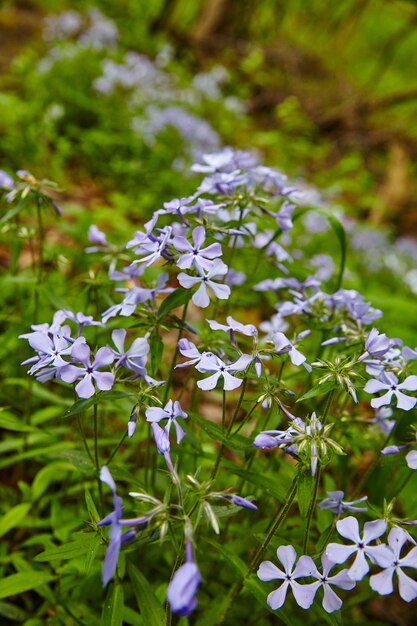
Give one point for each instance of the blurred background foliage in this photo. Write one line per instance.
(326, 91)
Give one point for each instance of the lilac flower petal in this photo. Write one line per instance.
(241, 364)
(201, 298)
(199, 236)
(331, 601)
(277, 598)
(338, 553)
(304, 594)
(382, 582)
(220, 291)
(410, 384)
(231, 382)
(239, 501)
(380, 554)
(104, 357)
(70, 373)
(268, 571)
(212, 251)
(410, 560)
(155, 414)
(179, 432)
(359, 567)
(305, 566)
(182, 589)
(404, 402)
(209, 383)
(85, 388)
(376, 403)
(373, 530)
(373, 386)
(118, 337)
(407, 586)
(81, 352)
(287, 556)
(411, 459)
(349, 529)
(110, 560)
(187, 281)
(107, 478)
(104, 380)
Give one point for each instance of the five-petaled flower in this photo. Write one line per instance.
(382, 582)
(388, 382)
(303, 594)
(349, 528)
(90, 372)
(117, 524)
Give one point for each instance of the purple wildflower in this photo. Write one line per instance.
(349, 528)
(215, 365)
(331, 601)
(184, 585)
(201, 297)
(190, 351)
(382, 582)
(89, 373)
(114, 520)
(194, 254)
(303, 594)
(134, 358)
(376, 345)
(170, 412)
(388, 382)
(337, 505)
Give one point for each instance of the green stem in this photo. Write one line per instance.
(113, 454)
(174, 358)
(311, 508)
(229, 428)
(96, 454)
(377, 460)
(84, 439)
(273, 527)
(40, 241)
(403, 484)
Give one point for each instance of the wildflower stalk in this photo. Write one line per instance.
(96, 454)
(377, 460)
(174, 358)
(397, 491)
(311, 508)
(229, 428)
(84, 439)
(271, 530)
(116, 449)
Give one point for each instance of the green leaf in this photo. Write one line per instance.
(318, 390)
(91, 507)
(260, 593)
(112, 613)
(230, 558)
(8, 421)
(175, 299)
(150, 608)
(18, 583)
(53, 472)
(12, 612)
(80, 406)
(305, 486)
(264, 482)
(339, 232)
(235, 442)
(156, 348)
(13, 517)
(71, 550)
(91, 554)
